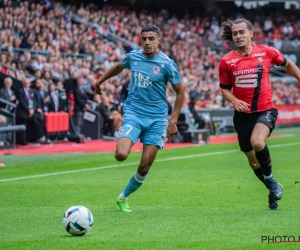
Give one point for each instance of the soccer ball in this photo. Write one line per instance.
(78, 220)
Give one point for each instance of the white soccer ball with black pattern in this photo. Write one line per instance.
(78, 220)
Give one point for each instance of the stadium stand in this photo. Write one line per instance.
(59, 43)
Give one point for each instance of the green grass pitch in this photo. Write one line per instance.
(200, 197)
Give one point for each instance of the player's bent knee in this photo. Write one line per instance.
(258, 145)
(121, 156)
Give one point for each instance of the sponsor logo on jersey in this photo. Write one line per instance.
(141, 80)
(244, 72)
(232, 61)
(259, 54)
(156, 70)
(246, 78)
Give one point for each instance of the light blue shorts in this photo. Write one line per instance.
(149, 131)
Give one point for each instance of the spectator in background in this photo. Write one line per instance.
(81, 103)
(62, 95)
(38, 64)
(52, 99)
(113, 117)
(41, 94)
(89, 86)
(7, 93)
(107, 128)
(30, 115)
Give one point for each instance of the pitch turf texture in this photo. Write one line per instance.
(203, 197)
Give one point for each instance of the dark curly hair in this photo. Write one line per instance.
(226, 28)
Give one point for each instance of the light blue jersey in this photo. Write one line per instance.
(149, 79)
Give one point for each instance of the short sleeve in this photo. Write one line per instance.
(126, 62)
(224, 77)
(277, 57)
(172, 73)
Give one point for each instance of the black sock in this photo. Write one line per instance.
(259, 174)
(264, 160)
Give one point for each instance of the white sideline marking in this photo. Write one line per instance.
(136, 163)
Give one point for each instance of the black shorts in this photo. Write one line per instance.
(244, 124)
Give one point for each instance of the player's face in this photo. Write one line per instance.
(241, 35)
(150, 42)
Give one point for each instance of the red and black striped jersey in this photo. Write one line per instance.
(248, 76)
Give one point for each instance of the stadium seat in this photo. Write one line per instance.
(49, 122)
(56, 122)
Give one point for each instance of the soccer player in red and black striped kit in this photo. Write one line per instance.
(244, 81)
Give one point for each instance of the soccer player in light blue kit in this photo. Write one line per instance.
(145, 109)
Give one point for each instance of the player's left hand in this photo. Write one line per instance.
(172, 131)
(99, 89)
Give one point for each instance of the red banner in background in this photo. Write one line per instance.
(288, 114)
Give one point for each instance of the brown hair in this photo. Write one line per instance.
(226, 28)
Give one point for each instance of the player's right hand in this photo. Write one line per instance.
(241, 106)
(172, 131)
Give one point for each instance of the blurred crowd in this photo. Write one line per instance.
(58, 53)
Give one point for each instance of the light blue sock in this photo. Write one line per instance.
(134, 183)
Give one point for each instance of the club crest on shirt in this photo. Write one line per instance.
(156, 70)
(259, 59)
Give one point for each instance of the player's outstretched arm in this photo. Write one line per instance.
(172, 128)
(113, 71)
(292, 69)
